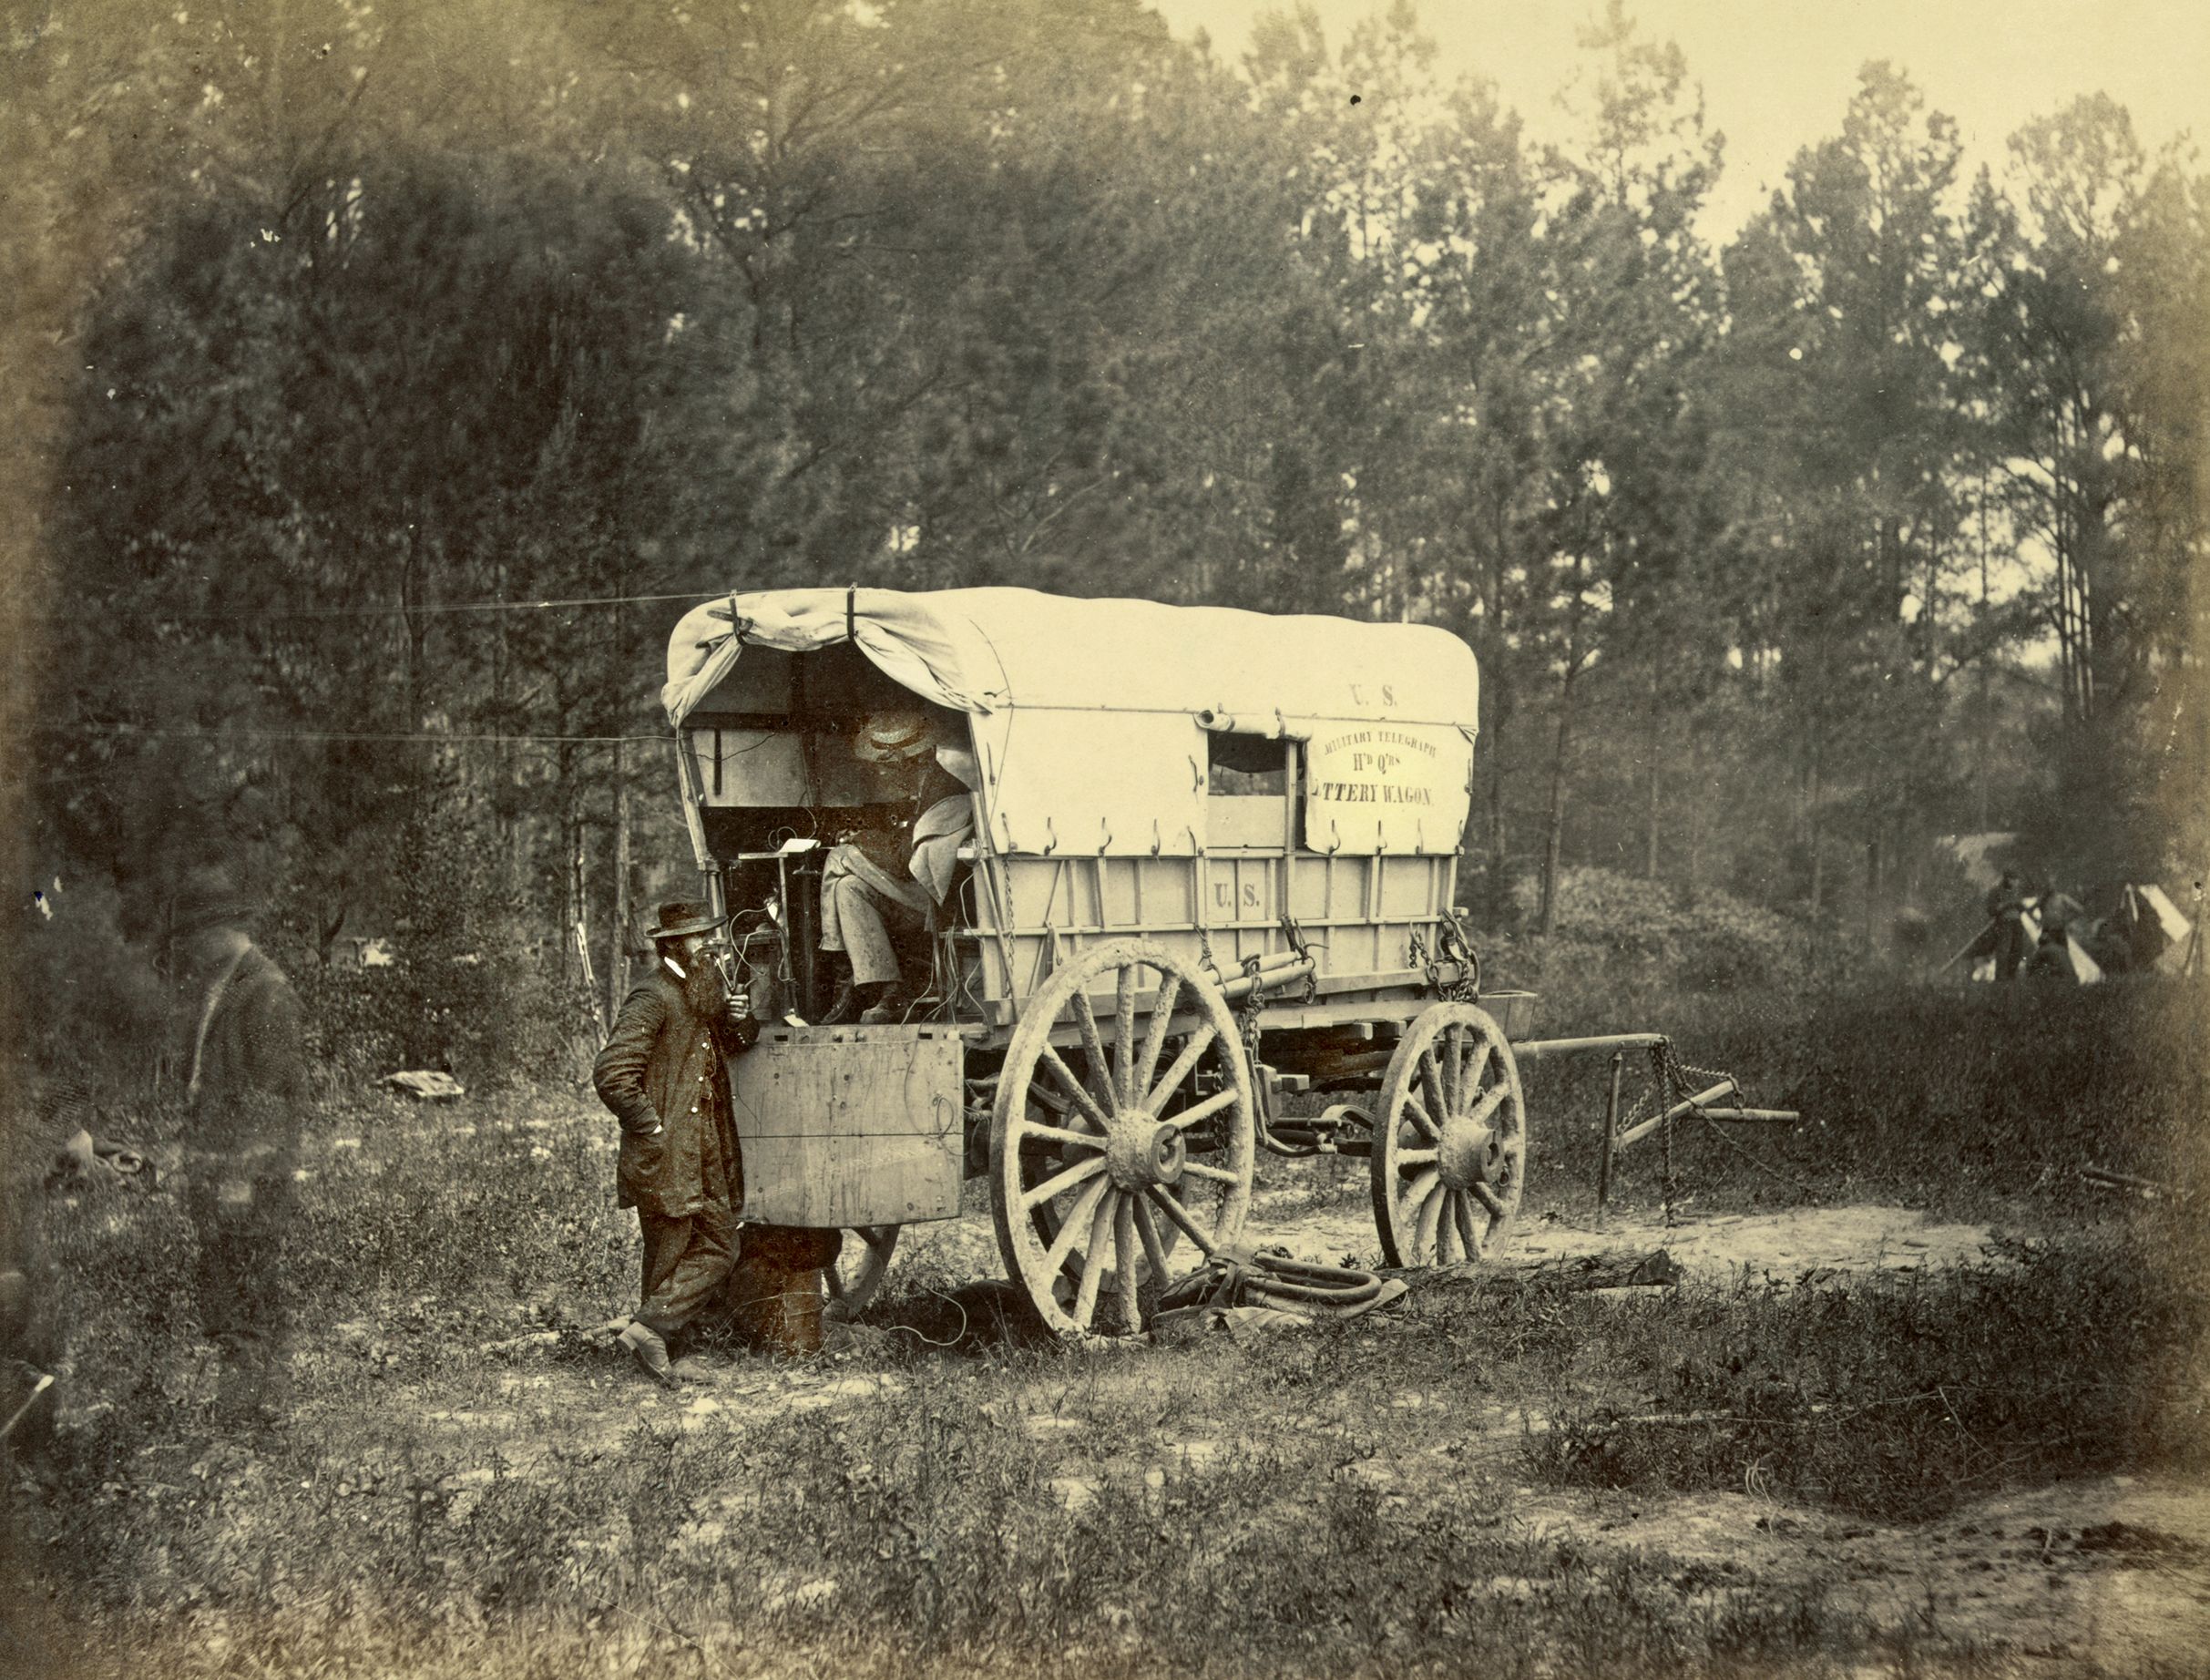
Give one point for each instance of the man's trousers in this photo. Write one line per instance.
(686, 1263)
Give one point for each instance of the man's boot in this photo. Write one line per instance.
(846, 1003)
(650, 1351)
(883, 1007)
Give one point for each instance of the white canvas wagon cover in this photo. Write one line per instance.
(1087, 712)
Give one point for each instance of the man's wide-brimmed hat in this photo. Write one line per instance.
(893, 737)
(680, 917)
(208, 897)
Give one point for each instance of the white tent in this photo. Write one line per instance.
(2151, 904)
(1091, 716)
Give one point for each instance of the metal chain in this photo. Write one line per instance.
(1455, 941)
(1672, 1085)
(1415, 950)
(1671, 1082)
(1246, 1026)
(1204, 952)
(1452, 944)
(1302, 946)
(1247, 1012)
(1683, 1081)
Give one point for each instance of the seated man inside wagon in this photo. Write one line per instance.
(894, 877)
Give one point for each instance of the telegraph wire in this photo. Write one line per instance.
(199, 614)
(128, 732)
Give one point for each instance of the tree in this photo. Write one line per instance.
(1845, 299)
(2096, 286)
(1625, 518)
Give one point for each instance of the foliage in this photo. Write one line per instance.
(339, 323)
(1716, 943)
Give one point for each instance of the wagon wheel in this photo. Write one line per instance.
(1449, 1153)
(1106, 1152)
(857, 1277)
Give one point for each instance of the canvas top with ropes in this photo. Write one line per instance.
(1242, 788)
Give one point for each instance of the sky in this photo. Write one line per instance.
(1777, 74)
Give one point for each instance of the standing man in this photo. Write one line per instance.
(245, 1088)
(662, 1074)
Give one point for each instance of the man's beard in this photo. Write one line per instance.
(703, 989)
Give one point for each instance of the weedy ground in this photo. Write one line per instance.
(1836, 1473)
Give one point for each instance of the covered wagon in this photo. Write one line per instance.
(1208, 858)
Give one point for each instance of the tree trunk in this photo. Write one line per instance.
(573, 958)
(410, 621)
(1872, 888)
(1554, 821)
(1657, 755)
(1694, 816)
(617, 954)
(1498, 860)
(503, 755)
(1988, 721)
(580, 922)
(1811, 831)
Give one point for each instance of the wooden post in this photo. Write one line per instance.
(1603, 1166)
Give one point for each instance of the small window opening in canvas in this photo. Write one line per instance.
(1246, 766)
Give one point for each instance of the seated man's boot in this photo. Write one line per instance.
(881, 1005)
(845, 1005)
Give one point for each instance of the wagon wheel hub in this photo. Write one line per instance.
(1141, 1149)
(1471, 1152)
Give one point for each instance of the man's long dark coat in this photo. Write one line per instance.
(662, 1067)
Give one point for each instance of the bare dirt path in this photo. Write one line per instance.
(1787, 1243)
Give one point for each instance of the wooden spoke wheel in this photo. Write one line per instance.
(1107, 1150)
(857, 1277)
(1449, 1154)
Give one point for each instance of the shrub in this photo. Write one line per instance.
(1902, 1397)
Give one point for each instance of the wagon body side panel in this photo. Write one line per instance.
(1369, 921)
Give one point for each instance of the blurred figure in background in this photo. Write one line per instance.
(663, 1075)
(245, 1088)
(2051, 957)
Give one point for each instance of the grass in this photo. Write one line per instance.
(908, 1534)
(1344, 1501)
(1900, 1398)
